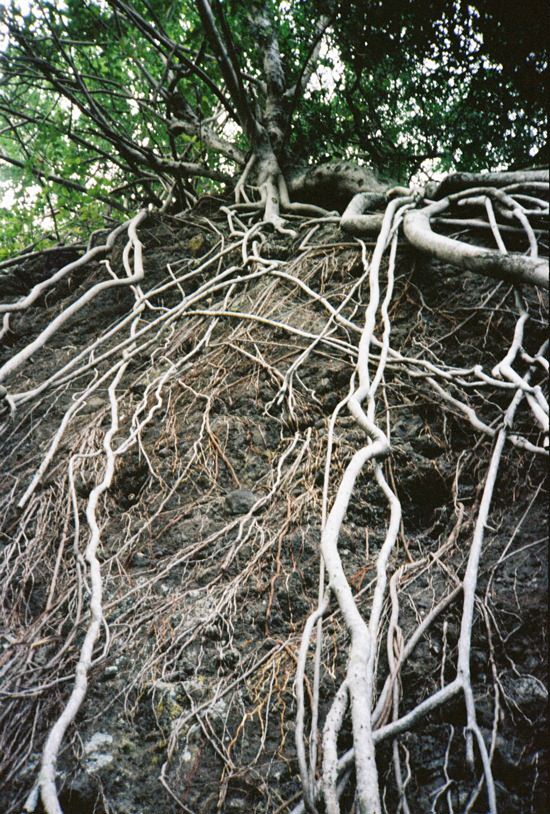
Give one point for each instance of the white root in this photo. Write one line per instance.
(47, 777)
(358, 683)
(20, 358)
(355, 221)
(37, 290)
(54, 740)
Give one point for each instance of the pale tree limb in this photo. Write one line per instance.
(50, 752)
(464, 180)
(20, 358)
(488, 262)
(358, 682)
(39, 288)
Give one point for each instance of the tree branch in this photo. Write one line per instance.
(230, 71)
(57, 179)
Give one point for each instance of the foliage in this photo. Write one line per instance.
(459, 83)
(88, 91)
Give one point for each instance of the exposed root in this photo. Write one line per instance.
(516, 268)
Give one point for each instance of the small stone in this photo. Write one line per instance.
(277, 770)
(237, 804)
(96, 755)
(526, 691)
(240, 501)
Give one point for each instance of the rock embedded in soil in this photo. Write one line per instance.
(240, 501)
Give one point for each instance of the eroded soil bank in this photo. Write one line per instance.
(211, 528)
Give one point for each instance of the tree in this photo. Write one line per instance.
(127, 101)
(316, 112)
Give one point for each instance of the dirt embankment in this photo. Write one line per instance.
(211, 526)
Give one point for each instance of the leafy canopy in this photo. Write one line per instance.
(90, 91)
